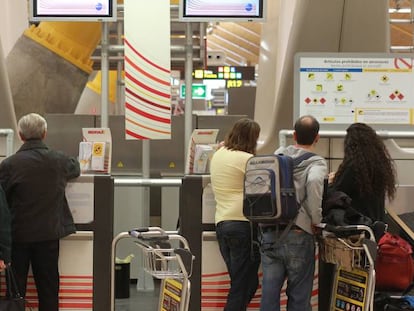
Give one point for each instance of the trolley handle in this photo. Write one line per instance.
(149, 234)
(340, 230)
(187, 259)
(149, 229)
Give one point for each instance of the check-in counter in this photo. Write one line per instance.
(210, 281)
(85, 256)
(76, 271)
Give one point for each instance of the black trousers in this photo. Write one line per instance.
(43, 257)
(326, 284)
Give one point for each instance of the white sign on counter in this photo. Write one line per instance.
(80, 196)
(208, 205)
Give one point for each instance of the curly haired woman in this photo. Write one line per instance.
(367, 176)
(367, 172)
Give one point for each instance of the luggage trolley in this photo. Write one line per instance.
(172, 265)
(353, 250)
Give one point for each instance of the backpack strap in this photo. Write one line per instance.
(296, 162)
(303, 157)
(287, 229)
(299, 159)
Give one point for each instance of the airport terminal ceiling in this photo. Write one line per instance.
(240, 42)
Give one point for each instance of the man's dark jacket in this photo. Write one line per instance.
(5, 228)
(34, 180)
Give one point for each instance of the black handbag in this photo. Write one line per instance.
(13, 300)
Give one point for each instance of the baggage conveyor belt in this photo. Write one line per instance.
(402, 224)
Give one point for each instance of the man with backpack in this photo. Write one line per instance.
(290, 254)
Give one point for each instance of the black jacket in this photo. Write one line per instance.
(338, 211)
(372, 206)
(5, 228)
(34, 180)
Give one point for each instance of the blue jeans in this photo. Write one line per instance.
(292, 258)
(234, 238)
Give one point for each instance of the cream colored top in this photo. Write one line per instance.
(227, 170)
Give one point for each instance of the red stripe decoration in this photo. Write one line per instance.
(145, 87)
(145, 73)
(75, 292)
(215, 286)
(151, 105)
(147, 70)
(147, 115)
(146, 59)
(214, 290)
(214, 294)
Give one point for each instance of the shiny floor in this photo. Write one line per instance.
(139, 300)
(149, 300)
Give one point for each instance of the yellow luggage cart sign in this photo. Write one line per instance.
(350, 290)
(172, 295)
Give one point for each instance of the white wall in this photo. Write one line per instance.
(308, 26)
(13, 21)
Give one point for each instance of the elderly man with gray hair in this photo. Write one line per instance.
(34, 180)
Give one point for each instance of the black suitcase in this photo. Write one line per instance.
(387, 302)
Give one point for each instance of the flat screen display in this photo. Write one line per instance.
(76, 10)
(222, 10)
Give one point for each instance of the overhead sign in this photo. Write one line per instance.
(343, 88)
(225, 73)
(234, 83)
(198, 91)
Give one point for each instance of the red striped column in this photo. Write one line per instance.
(147, 69)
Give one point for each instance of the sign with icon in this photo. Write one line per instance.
(95, 150)
(343, 88)
(198, 91)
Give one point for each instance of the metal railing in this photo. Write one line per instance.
(9, 133)
(401, 21)
(145, 182)
(283, 134)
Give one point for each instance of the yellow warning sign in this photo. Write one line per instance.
(98, 149)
